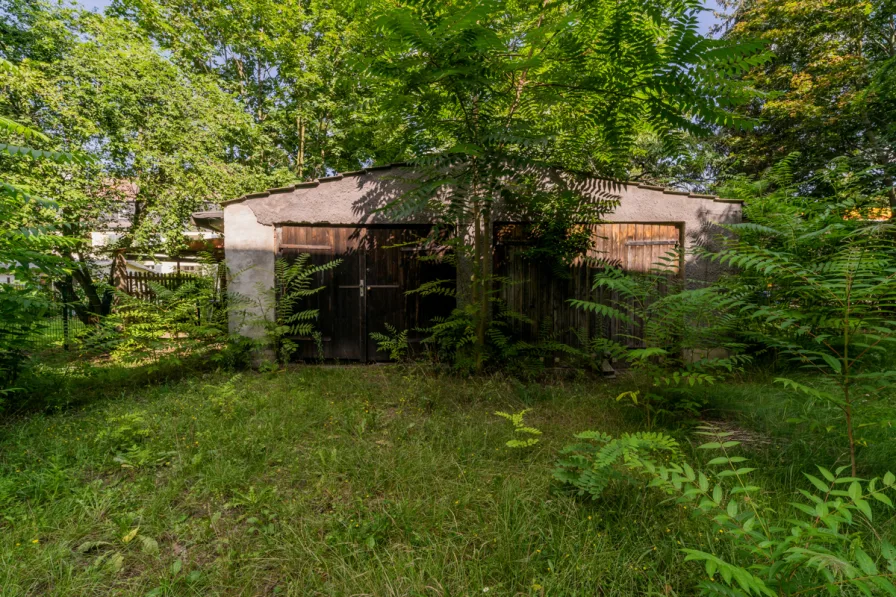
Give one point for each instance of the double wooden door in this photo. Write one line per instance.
(369, 289)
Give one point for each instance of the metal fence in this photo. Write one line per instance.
(56, 330)
(62, 327)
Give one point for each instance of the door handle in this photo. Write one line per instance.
(361, 286)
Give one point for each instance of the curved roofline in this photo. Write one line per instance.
(310, 184)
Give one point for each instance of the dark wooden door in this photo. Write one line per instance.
(386, 282)
(340, 304)
(369, 288)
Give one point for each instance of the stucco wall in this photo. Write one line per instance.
(250, 249)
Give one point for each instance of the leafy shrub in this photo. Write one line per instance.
(394, 342)
(294, 285)
(680, 334)
(168, 324)
(452, 340)
(124, 431)
(812, 547)
(816, 282)
(225, 397)
(22, 312)
(592, 464)
(519, 427)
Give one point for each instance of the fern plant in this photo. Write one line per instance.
(812, 547)
(293, 287)
(172, 324)
(592, 464)
(675, 331)
(452, 339)
(393, 342)
(816, 282)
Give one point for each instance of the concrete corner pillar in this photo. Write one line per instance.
(250, 251)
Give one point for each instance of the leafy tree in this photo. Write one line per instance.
(290, 65)
(494, 90)
(816, 280)
(828, 90)
(166, 142)
(27, 240)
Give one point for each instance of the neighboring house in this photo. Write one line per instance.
(112, 227)
(109, 229)
(338, 217)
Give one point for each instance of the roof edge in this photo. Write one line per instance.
(341, 175)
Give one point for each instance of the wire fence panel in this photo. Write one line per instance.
(54, 331)
(62, 326)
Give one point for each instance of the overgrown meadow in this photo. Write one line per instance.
(382, 480)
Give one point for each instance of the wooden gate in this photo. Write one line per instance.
(369, 289)
(543, 296)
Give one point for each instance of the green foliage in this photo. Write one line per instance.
(158, 143)
(452, 340)
(500, 96)
(294, 286)
(171, 325)
(817, 283)
(828, 90)
(27, 240)
(683, 337)
(62, 489)
(519, 427)
(298, 81)
(591, 465)
(559, 219)
(811, 547)
(394, 342)
(123, 431)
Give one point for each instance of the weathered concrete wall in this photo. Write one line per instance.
(250, 249)
(343, 199)
(357, 198)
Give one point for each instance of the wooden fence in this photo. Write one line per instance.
(137, 284)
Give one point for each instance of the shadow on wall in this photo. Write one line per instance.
(707, 236)
(392, 198)
(401, 197)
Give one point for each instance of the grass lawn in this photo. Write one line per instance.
(331, 481)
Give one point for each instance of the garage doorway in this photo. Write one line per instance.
(368, 290)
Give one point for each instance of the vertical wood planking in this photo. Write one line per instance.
(543, 296)
(372, 257)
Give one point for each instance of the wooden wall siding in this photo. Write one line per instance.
(369, 289)
(542, 295)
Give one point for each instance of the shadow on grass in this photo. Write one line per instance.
(58, 380)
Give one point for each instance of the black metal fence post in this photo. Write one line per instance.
(65, 327)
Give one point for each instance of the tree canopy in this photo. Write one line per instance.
(828, 91)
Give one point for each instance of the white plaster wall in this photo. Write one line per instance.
(250, 249)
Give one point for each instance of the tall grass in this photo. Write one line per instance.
(342, 481)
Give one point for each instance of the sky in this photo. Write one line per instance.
(707, 19)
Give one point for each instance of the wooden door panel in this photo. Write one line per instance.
(339, 304)
(386, 281)
(369, 288)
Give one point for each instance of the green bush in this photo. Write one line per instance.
(816, 282)
(676, 330)
(814, 546)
